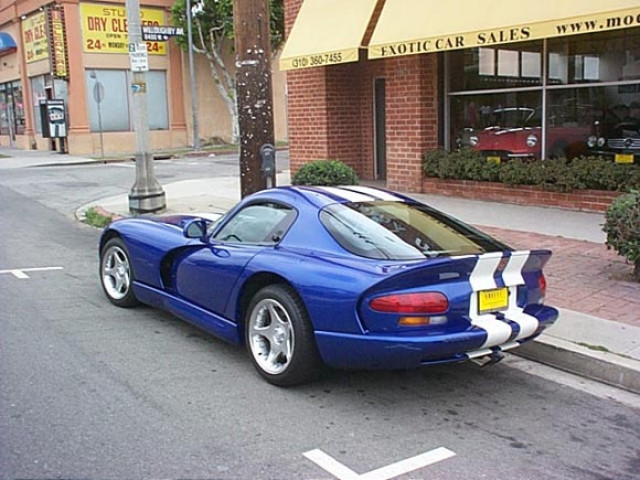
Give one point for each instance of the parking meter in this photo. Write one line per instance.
(268, 168)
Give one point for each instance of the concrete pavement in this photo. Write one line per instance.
(598, 333)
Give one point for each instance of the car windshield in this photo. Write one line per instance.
(402, 231)
(516, 117)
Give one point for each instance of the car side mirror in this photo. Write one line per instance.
(196, 228)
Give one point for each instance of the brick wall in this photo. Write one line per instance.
(331, 113)
(412, 118)
(584, 200)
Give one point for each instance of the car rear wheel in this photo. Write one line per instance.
(280, 338)
(116, 274)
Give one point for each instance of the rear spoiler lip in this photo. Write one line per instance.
(542, 256)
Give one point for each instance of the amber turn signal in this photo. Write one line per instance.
(413, 321)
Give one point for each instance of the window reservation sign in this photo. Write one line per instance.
(34, 37)
(104, 28)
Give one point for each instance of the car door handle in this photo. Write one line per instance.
(220, 252)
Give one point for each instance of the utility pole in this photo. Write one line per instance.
(146, 195)
(192, 78)
(253, 90)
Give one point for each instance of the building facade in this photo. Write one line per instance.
(73, 57)
(508, 79)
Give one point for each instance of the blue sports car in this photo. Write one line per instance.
(349, 277)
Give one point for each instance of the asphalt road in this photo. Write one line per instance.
(88, 390)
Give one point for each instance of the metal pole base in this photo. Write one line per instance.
(149, 203)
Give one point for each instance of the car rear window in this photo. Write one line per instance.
(402, 231)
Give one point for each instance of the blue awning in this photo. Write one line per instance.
(7, 44)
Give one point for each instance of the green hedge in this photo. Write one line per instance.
(622, 226)
(325, 172)
(558, 174)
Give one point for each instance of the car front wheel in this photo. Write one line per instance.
(280, 338)
(116, 274)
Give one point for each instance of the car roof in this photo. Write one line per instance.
(321, 196)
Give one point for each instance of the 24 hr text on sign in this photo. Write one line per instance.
(105, 29)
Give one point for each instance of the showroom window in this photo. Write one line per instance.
(11, 109)
(109, 100)
(581, 98)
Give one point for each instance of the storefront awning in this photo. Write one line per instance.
(326, 32)
(408, 27)
(7, 44)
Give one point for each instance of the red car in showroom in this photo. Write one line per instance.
(515, 132)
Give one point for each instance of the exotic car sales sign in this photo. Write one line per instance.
(104, 28)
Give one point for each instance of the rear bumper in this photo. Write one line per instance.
(610, 154)
(387, 351)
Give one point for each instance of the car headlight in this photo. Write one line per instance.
(592, 141)
(532, 140)
(474, 140)
(601, 141)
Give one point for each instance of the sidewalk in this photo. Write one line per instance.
(598, 333)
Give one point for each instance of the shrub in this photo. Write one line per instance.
(557, 174)
(325, 172)
(97, 217)
(622, 226)
(464, 164)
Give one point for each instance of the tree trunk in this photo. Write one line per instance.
(636, 270)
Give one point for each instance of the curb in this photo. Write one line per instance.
(605, 367)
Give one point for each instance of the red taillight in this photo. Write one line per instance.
(431, 303)
(542, 283)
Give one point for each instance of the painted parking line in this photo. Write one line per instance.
(22, 272)
(394, 470)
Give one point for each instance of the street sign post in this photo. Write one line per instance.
(139, 57)
(160, 33)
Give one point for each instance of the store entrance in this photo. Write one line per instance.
(380, 129)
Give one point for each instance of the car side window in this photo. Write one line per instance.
(261, 223)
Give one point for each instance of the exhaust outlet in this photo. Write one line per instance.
(487, 360)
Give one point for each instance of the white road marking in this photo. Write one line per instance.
(21, 272)
(394, 470)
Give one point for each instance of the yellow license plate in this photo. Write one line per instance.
(624, 158)
(493, 300)
(494, 159)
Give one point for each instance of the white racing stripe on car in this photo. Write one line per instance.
(528, 324)
(512, 274)
(373, 192)
(347, 194)
(512, 277)
(482, 279)
(482, 275)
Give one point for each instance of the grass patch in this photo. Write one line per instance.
(596, 348)
(96, 219)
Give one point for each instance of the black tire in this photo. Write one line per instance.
(116, 274)
(280, 338)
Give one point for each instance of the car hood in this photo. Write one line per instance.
(498, 131)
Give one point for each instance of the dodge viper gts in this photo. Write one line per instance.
(347, 277)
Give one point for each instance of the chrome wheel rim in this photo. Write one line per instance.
(116, 273)
(271, 336)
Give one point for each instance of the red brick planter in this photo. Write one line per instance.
(583, 200)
